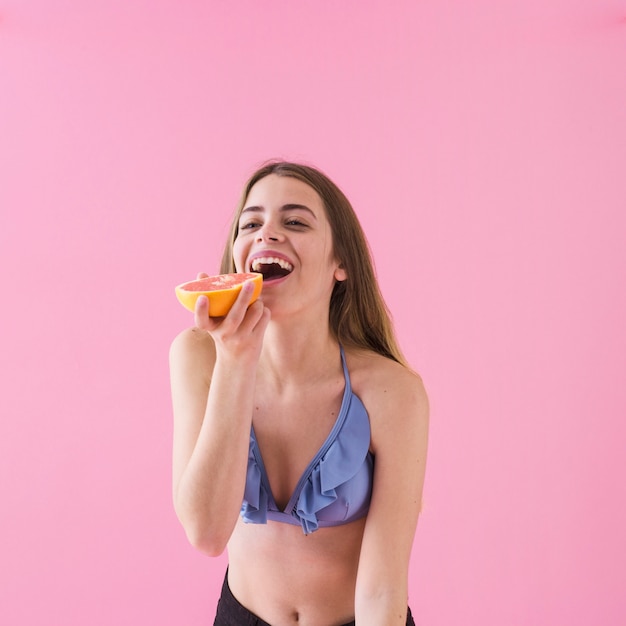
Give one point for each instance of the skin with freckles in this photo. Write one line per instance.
(275, 364)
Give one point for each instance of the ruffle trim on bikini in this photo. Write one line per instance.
(255, 497)
(342, 460)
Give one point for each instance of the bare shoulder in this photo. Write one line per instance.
(193, 350)
(393, 394)
(374, 376)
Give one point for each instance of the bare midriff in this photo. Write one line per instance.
(290, 579)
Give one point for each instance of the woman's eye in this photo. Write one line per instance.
(249, 225)
(295, 222)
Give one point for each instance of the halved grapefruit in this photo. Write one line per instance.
(221, 290)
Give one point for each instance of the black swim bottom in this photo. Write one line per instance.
(230, 612)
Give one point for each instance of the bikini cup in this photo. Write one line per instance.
(335, 488)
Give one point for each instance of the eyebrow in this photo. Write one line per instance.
(283, 209)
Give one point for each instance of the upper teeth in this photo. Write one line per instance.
(268, 260)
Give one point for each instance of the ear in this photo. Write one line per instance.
(340, 273)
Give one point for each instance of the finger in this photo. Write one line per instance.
(202, 275)
(264, 320)
(201, 312)
(252, 316)
(257, 318)
(241, 304)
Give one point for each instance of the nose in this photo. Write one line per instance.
(267, 233)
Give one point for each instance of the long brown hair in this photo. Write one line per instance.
(358, 314)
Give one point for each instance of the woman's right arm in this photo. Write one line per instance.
(213, 370)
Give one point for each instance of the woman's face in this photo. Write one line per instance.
(284, 234)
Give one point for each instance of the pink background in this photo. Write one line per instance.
(483, 144)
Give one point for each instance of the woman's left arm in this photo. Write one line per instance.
(398, 411)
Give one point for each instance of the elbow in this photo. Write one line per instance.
(207, 530)
(204, 541)
(203, 535)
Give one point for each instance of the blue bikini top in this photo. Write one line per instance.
(335, 488)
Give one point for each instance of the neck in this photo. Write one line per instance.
(297, 354)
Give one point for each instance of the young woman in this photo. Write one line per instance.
(300, 433)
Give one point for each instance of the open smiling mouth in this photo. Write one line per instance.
(271, 267)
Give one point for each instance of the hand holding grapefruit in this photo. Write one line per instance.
(221, 290)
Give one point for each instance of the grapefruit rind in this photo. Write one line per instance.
(220, 299)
